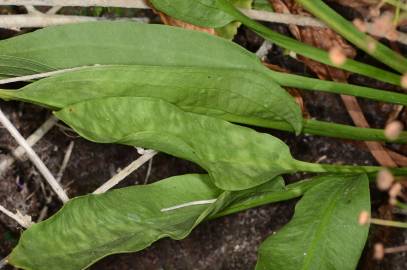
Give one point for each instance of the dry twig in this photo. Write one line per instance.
(19, 152)
(147, 155)
(34, 158)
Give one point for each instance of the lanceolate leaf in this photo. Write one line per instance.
(122, 43)
(124, 220)
(236, 157)
(324, 232)
(91, 227)
(212, 91)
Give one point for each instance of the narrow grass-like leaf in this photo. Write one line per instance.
(307, 50)
(91, 227)
(211, 91)
(379, 51)
(120, 43)
(324, 232)
(236, 157)
(179, 7)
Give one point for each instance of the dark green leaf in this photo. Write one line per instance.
(217, 92)
(324, 232)
(236, 157)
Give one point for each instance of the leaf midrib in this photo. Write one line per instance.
(320, 229)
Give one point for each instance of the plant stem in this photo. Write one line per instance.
(320, 128)
(292, 191)
(302, 82)
(349, 31)
(7, 94)
(330, 168)
(307, 50)
(389, 223)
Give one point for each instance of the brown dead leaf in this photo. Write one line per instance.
(327, 39)
(178, 23)
(367, 8)
(174, 22)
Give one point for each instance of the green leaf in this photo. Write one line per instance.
(217, 92)
(230, 30)
(91, 227)
(199, 12)
(324, 232)
(235, 157)
(119, 43)
(262, 5)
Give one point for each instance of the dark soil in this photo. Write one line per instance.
(227, 243)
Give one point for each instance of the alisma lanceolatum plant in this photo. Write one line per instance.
(184, 93)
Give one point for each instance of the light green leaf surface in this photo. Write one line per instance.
(212, 91)
(324, 232)
(118, 43)
(235, 157)
(130, 219)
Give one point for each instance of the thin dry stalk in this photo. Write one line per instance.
(19, 152)
(56, 187)
(149, 154)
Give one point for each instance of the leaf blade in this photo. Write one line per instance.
(133, 214)
(211, 91)
(120, 43)
(124, 220)
(324, 232)
(236, 157)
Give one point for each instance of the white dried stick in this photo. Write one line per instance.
(148, 154)
(79, 3)
(65, 161)
(56, 187)
(23, 220)
(39, 75)
(19, 152)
